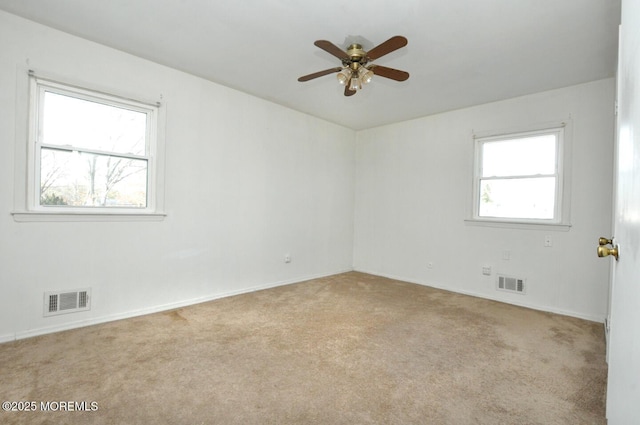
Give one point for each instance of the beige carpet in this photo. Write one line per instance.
(347, 349)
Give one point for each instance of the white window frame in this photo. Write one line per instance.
(560, 220)
(34, 211)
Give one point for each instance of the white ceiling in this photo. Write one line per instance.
(460, 52)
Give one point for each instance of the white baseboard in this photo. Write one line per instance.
(156, 309)
(7, 338)
(598, 319)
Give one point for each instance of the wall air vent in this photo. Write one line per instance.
(62, 302)
(511, 284)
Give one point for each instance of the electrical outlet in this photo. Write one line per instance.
(486, 270)
(506, 254)
(287, 258)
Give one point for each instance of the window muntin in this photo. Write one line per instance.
(518, 177)
(92, 152)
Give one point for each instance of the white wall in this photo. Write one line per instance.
(246, 182)
(413, 190)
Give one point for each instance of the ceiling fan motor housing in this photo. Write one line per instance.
(356, 53)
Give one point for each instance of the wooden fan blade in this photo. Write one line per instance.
(394, 43)
(394, 74)
(318, 74)
(348, 92)
(329, 47)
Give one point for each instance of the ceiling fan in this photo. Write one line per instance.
(355, 69)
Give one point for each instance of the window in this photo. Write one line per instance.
(90, 152)
(518, 177)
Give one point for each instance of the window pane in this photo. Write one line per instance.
(518, 198)
(88, 180)
(519, 157)
(69, 121)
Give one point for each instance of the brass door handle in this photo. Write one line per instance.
(605, 241)
(603, 251)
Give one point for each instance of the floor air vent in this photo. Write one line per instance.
(66, 301)
(511, 284)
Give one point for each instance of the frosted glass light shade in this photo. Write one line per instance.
(355, 84)
(344, 76)
(365, 75)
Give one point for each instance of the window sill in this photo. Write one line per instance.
(559, 227)
(37, 216)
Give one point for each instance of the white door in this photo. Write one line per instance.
(623, 392)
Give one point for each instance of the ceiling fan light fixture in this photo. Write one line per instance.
(344, 76)
(355, 70)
